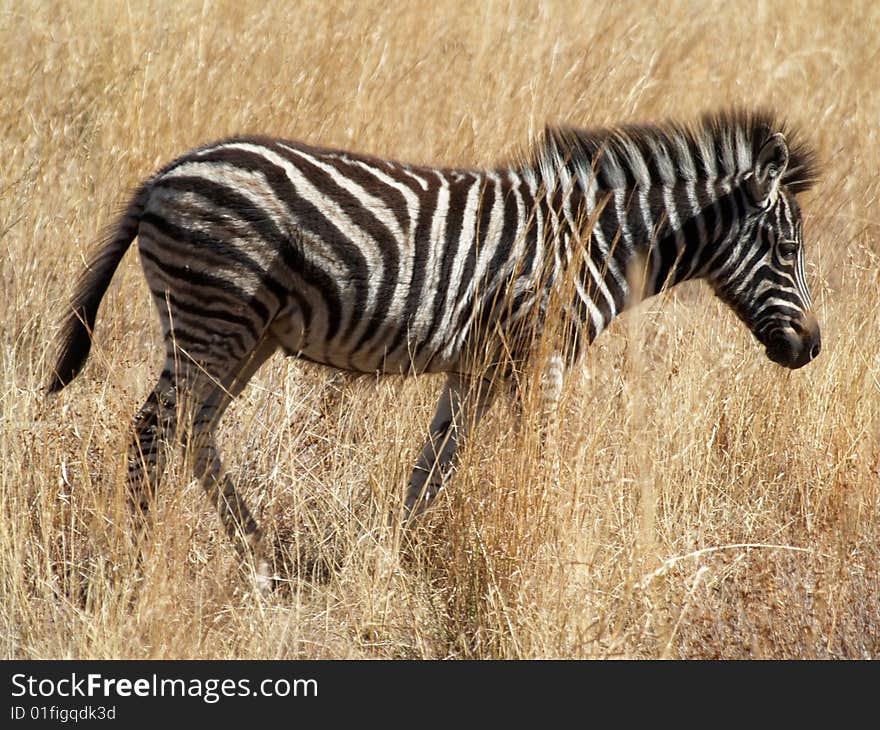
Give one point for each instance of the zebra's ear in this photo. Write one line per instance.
(770, 165)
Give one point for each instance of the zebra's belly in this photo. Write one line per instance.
(394, 352)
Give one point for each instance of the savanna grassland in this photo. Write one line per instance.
(709, 504)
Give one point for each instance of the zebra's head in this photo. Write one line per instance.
(763, 281)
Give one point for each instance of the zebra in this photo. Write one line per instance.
(252, 245)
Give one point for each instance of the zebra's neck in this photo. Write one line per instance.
(627, 241)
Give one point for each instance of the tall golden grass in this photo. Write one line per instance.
(709, 504)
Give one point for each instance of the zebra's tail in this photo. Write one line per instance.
(75, 336)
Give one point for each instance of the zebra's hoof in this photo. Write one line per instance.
(263, 578)
(414, 508)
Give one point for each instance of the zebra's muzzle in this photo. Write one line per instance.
(795, 344)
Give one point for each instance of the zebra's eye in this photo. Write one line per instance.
(788, 249)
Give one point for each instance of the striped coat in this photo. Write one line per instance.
(251, 245)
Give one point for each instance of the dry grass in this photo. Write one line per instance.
(709, 505)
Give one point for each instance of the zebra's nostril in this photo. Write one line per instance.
(815, 350)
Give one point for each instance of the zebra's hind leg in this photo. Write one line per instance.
(462, 404)
(214, 395)
(237, 519)
(191, 398)
(154, 428)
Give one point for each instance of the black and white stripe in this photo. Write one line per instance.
(254, 244)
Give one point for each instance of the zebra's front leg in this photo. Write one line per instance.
(462, 404)
(552, 380)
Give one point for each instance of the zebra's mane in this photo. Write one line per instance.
(719, 145)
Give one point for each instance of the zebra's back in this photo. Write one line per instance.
(353, 262)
